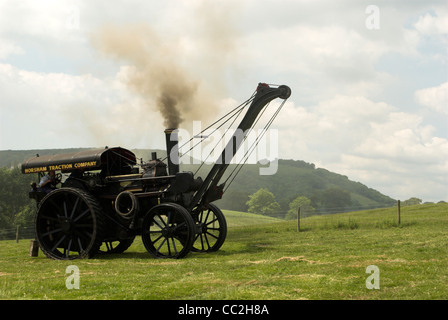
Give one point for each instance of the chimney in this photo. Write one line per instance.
(172, 150)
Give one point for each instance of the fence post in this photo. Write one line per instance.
(298, 220)
(17, 235)
(399, 212)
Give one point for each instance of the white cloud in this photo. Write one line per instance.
(7, 48)
(51, 110)
(402, 137)
(433, 25)
(435, 98)
(368, 141)
(38, 19)
(334, 125)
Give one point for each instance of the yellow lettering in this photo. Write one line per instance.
(85, 164)
(36, 169)
(66, 166)
(61, 167)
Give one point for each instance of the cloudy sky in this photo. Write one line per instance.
(369, 78)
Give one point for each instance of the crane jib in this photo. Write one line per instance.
(209, 190)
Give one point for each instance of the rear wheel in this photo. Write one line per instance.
(69, 224)
(168, 231)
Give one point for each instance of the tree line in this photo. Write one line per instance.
(16, 208)
(329, 201)
(263, 202)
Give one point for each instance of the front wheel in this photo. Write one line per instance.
(168, 231)
(212, 229)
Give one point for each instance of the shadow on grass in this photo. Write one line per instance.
(247, 248)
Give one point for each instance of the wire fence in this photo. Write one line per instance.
(17, 233)
(287, 215)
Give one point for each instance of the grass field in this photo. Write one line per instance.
(261, 259)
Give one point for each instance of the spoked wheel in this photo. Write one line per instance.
(118, 246)
(212, 227)
(168, 231)
(69, 224)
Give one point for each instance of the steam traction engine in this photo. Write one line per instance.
(108, 198)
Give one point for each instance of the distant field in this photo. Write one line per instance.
(240, 219)
(262, 258)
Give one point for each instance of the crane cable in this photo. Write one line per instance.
(235, 113)
(239, 166)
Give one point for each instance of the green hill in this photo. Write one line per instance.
(298, 178)
(241, 219)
